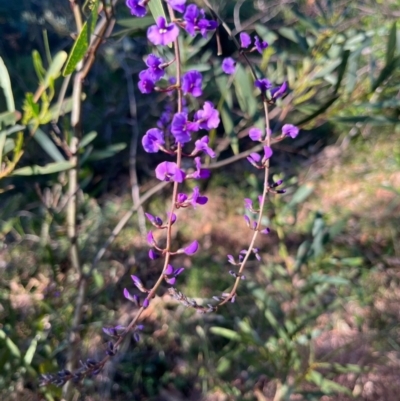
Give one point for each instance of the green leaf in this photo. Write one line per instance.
(31, 350)
(88, 138)
(315, 278)
(327, 69)
(81, 43)
(136, 23)
(228, 126)
(156, 9)
(55, 68)
(12, 347)
(326, 385)
(38, 65)
(47, 169)
(5, 84)
(372, 120)
(48, 145)
(391, 46)
(322, 109)
(3, 137)
(227, 333)
(386, 72)
(300, 195)
(244, 91)
(107, 152)
(342, 69)
(7, 118)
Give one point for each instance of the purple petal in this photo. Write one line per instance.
(229, 66)
(146, 303)
(245, 40)
(169, 270)
(128, 296)
(290, 130)
(255, 134)
(192, 248)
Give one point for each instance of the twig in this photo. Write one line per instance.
(133, 149)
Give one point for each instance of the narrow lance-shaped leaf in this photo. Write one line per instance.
(48, 145)
(156, 9)
(5, 84)
(47, 169)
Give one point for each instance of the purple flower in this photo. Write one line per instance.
(162, 33)
(154, 62)
(155, 220)
(137, 7)
(146, 83)
(199, 173)
(170, 274)
(129, 297)
(260, 45)
(153, 255)
(197, 198)
(150, 238)
(254, 159)
(196, 21)
(206, 25)
(248, 204)
(169, 171)
(181, 128)
(138, 283)
(267, 153)
(146, 303)
(208, 117)
(290, 130)
(153, 140)
(190, 249)
(202, 145)
(191, 83)
(245, 40)
(177, 5)
(255, 134)
(114, 331)
(262, 84)
(228, 65)
(279, 91)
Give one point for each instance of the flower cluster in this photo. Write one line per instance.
(183, 132)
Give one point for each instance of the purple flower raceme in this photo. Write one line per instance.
(153, 140)
(208, 117)
(169, 171)
(162, 33)
(146, 83)
(191, 83)
(229, 66)
(137, 7)
(263, 84)
(177, 5)
(290, 130)
(245, 40)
